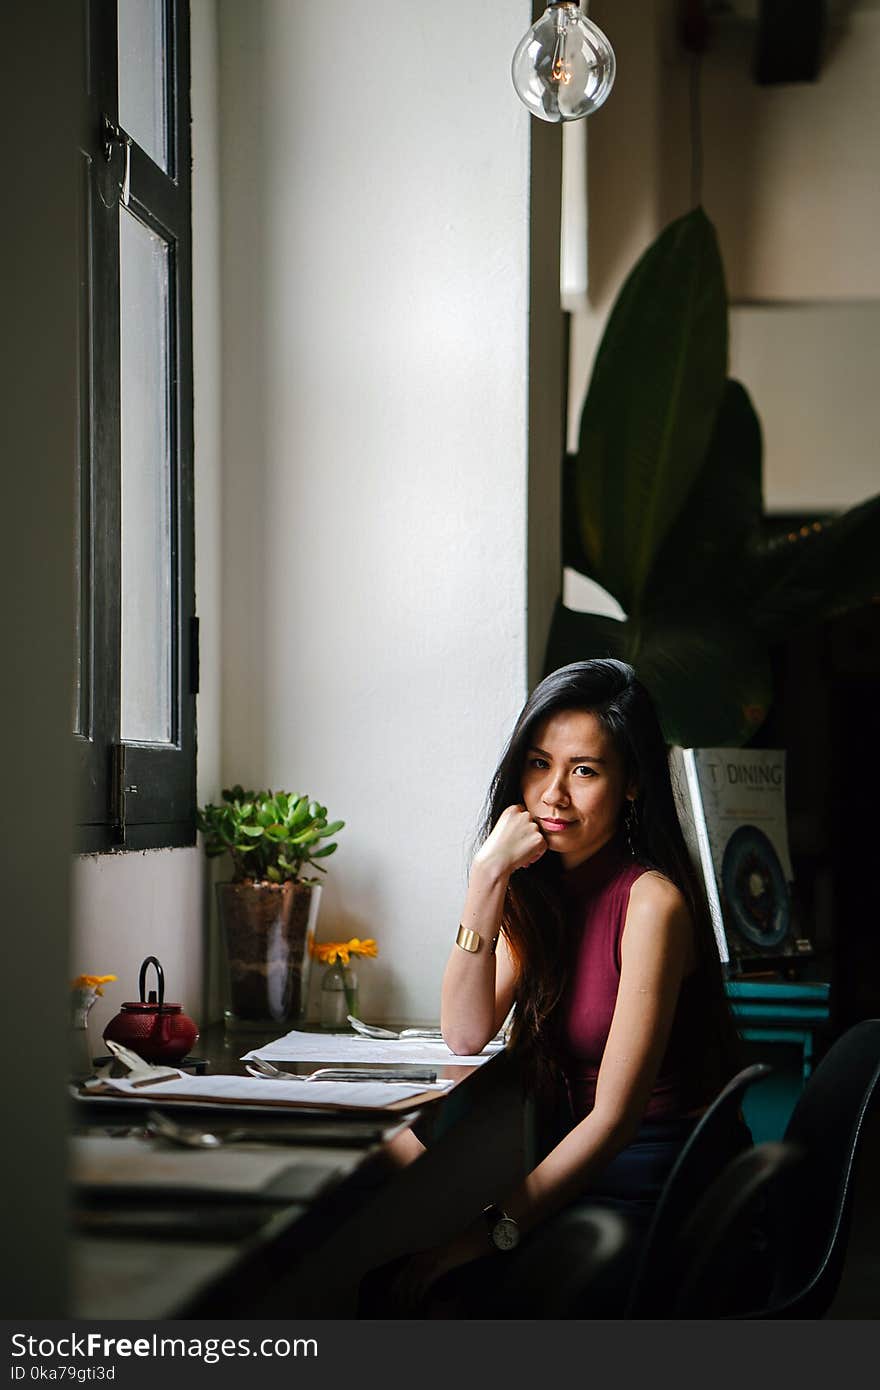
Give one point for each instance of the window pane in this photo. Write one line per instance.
(146, 484)
(143, 92)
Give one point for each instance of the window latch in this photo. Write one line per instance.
(116, 138)
(122, 787)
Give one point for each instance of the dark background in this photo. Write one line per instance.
(825, 715)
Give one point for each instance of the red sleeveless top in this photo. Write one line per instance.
(596, 894)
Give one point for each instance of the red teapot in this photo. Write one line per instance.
(156, 1031)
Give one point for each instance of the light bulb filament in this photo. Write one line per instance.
(560, 70)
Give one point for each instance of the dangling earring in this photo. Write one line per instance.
(631, 824)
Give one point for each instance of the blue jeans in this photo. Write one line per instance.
(634, 1179)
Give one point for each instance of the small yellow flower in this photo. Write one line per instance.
(329, 952)
(94, 982)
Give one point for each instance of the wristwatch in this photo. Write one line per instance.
(503, 1230)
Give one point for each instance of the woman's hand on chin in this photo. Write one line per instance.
(515, 842)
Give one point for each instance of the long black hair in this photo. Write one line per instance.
(534, 922)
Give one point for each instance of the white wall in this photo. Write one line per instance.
(812, 372)
(375, 169)
(793, 186)
(790, 181)
(791, 169)
(128, 906)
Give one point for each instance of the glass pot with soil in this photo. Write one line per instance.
(267, 931)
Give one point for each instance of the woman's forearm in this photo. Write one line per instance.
(467, 1002)
(559, 1179)
(568, 1169)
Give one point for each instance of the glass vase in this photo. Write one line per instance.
(79, 1052)
(267, 931)
(339, 996)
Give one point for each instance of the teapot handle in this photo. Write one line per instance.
(160, 977)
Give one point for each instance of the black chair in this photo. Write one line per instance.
(811, 1224)
(569, 1269)
(722, 1244)
(803, 1209)
(713, 1142)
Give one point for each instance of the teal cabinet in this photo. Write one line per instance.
(779, 1022)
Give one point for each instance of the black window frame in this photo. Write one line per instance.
(131, 796)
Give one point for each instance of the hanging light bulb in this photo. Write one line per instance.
(563, 68)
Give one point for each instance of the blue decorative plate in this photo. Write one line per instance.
(755, 891)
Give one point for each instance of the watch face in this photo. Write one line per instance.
(505, 1233)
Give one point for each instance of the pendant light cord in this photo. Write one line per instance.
(696, 123)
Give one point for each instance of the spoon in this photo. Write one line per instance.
(371, 1030)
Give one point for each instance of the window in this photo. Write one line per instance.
(136, 631)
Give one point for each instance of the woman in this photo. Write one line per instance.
(584, 911)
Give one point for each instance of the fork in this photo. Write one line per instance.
(258, 1067)
(370, 1030)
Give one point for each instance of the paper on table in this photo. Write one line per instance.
(254, 1090)
(352, 1047)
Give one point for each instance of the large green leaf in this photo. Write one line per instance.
(584, 636)
(828, 570)
(651, 406)
(702, 566)
(711, 683)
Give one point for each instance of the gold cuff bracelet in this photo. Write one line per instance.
(468, 940)
(471, 940)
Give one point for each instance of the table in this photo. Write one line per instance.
(302, 1258)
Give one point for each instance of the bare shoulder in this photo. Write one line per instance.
(658, 916)
(655, 892)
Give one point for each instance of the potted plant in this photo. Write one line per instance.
(269, 908)
(663, 508)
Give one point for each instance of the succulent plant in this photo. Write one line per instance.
(270, 836)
